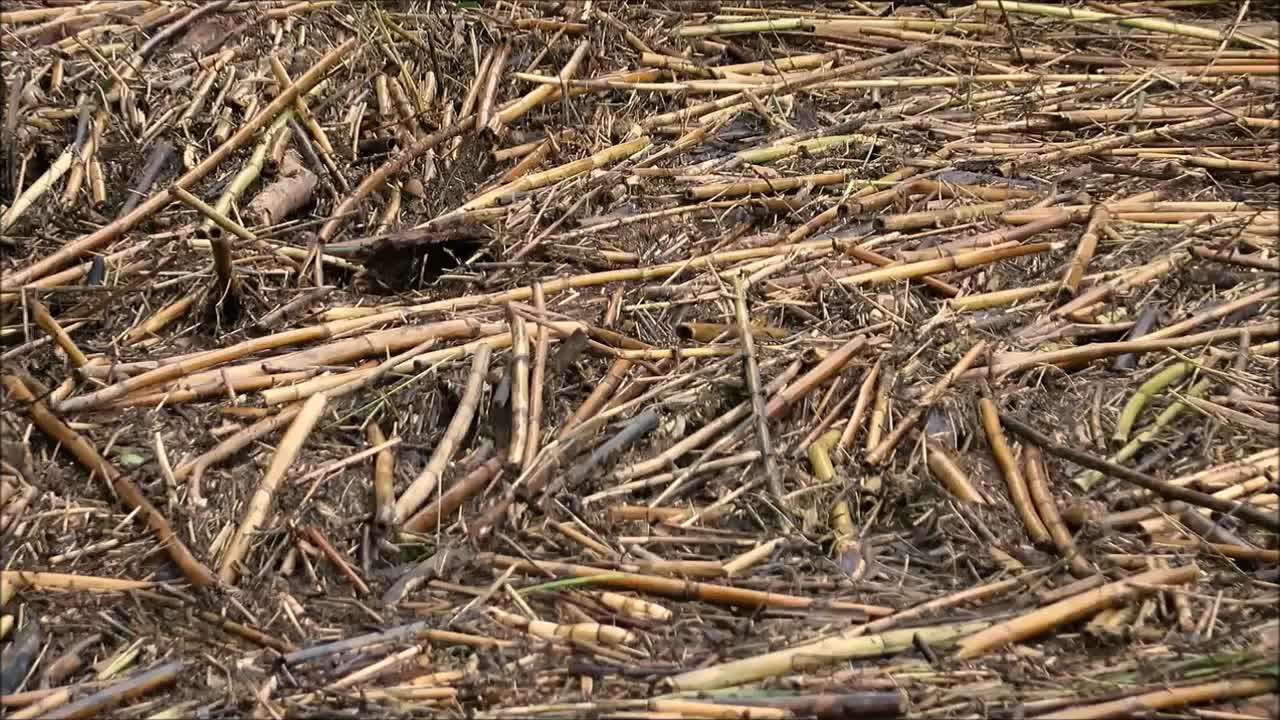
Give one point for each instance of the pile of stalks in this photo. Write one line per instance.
(639, 360)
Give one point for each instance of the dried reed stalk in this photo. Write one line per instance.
(827, 368)
(1017, 484)
(260, 504)
(1098, 220)
(881, 452)
(1037, 478)
(813, 655)
(950, 474)
(123, 487)
(752, 371)
(429, 479)
(537, 380)
(433, 515)
(706, 592)
(113, 231)
(518, 371)
(384, 491)
(1071, 609)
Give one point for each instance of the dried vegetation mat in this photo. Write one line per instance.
(639, 360)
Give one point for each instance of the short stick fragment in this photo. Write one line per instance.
(259, 505)
(1017, 484)
(1037, 477)
(1071, 609)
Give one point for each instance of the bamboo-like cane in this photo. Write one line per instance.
(484, 101)
(164, 316)
(109, 233)
(617, 372)
(865, 392)
(881, 452)
(1153, 385)
(429, 479)
(431, 516)
(542, 93)
(537, 381)
(1084, 250)
(590, 632)
(205, 360)
(1165, 698)
(879, 410)
(46, 321)
(817, 654)
(828, 367)
(950, 474)
(228, 447)
(384, 491)
(1071, 609)
(1037, 478)
(876, 258)
(673, 587)
(1142, 22)
(1017, 484)
(1008, 363)
(950, 263)
(752, 371)
(260, 504)
(519, 374)
(1215, 313)
(125, 489)
(557, 174)
(752, 557)
(1160, 487)
(134, 686)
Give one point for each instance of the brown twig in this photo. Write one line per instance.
(124, 488)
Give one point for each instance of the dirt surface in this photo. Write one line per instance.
(284, 284)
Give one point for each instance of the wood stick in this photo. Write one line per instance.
(519, 372)
(830, 365)
(1038, 484)
(538, 380)
(134, 686)
(429, 479)
(1071, 609)
(384, 470)
(751, 369)
(124, 488)
(1159, 487)
(673, 587)
(1017, 484)
(1084, 250)
(881, 452)
(260, 504)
